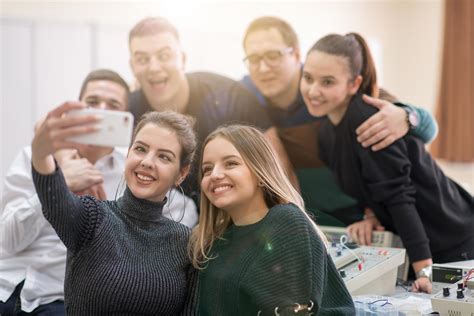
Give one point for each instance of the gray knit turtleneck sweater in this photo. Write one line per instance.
(124, 257)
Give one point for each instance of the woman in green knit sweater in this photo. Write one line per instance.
(257, 250)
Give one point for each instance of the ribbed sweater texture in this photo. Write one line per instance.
(124, 257)
(276, 262)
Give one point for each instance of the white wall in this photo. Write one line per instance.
(48, 47)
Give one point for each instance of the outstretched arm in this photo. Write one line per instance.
(390, 124)
(64, 210)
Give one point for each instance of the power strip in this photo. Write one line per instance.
(454, 301)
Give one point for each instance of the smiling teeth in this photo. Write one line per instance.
(144, 178)
(220, 189)
(158, 81)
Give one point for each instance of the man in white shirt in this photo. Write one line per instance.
(32, 257)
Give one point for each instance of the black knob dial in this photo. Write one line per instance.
(446, 291)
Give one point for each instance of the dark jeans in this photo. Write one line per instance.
(12, 307)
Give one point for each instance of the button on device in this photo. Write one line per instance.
(460, 294)
(342, 273)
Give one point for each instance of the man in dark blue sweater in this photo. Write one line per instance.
(158, 63)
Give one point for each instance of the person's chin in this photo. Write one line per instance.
(221, 203)
(138, 192)
(317, 112)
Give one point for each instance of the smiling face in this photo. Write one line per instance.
(327, 86)
(228, 182)
(153, 163)
(105, 95)
(158, 64)
(280, 79)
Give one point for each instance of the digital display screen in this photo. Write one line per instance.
(446, 275)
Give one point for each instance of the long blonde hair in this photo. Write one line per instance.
(261, 159)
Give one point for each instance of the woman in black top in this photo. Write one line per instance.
(402, 185)
(124, 257)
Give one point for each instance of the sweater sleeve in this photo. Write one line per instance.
(74, 219)
(387, 174)
(190, 306)
(427, 128)
(292, 267)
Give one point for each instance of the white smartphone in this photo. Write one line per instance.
(116, 128)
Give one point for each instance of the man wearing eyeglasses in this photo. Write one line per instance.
(273, 60)
(158, 64)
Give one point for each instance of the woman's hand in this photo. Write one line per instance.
(361, 232)
(384, 127)
(51, 135)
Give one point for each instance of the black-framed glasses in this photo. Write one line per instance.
(271, 57)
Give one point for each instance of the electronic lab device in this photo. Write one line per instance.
(455, 300)
(367, 270)
(453, 284)
(379, 239)
(445, 274)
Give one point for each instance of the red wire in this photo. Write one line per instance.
(468, 275)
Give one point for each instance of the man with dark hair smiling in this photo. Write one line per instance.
(158, 63)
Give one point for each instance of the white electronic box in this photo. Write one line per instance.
(456, 299)
(368, 270)
(451, 297)
(379, 239)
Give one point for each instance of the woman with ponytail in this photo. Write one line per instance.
(401, 188)
(257, 250)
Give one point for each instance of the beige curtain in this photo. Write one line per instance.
(455, 113)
